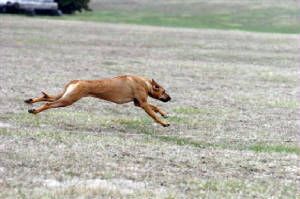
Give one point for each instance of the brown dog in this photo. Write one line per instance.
(120, 90)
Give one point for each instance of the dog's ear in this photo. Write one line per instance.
(154, 84)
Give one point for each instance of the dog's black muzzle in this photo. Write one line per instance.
(165, 99)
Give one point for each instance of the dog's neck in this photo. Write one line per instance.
(148, 84)
(149, 87)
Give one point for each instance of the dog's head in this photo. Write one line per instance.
(158, 92)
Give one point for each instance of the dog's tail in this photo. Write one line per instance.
(45, 95)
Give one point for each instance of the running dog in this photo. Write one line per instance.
(120, 90)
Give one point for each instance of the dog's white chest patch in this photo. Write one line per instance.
(69, 90)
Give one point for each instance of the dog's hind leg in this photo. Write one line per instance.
(72, 93)
(44, 97)
(56, 104)
(49, 98)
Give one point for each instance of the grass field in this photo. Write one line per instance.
(263, 16)
(233, 112)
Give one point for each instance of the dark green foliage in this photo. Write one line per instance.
(71, 6)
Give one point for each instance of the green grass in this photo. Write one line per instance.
(139, 125)
(231, 188)
(181, 141)
(56, 135)
(60, 119)
(257, 20)
(190, 110)
(284, 103)
(143, 126)
(235, 140)
(270, 76)
(133, 123)
(275, 148)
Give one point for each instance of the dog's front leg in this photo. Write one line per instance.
(148, 109)
(158, 110)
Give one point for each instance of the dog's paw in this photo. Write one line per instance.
(166, 125)
(28, 101)
(33, 111)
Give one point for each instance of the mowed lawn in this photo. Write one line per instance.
(233, 113)
(262, 16)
